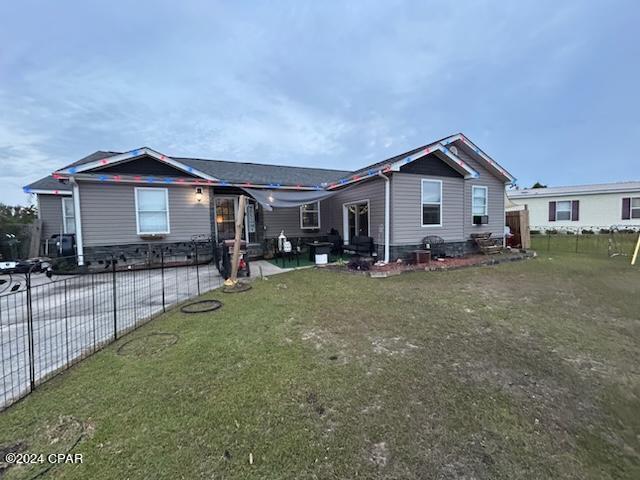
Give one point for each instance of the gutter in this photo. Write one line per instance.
(76, 212)
(387, 214)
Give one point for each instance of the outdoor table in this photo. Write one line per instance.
(318, 248)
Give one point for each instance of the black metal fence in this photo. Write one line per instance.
(50, 322)
(602, 242)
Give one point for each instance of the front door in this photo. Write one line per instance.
(226, 209)
(356, 220)
(225, 213)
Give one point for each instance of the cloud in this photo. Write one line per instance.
(332, 84)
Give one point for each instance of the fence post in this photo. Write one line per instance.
(195, 244)
(115, 302)
(548, 241)
(66, 319)
(32, 365)
(577, 236)
(164, 309)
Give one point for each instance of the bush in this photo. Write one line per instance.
(535, 232)
(359, 263)
(552, 231)
(605, 231)
(587, 232)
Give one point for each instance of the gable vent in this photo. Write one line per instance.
(454, 150)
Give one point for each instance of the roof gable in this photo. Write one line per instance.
(430, 164)
(112, 159)
(101, 165)
(143, 165)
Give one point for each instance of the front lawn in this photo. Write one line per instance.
(523, 370)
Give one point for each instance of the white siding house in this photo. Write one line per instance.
(579, 207)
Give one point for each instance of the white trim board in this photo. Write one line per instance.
(166, 196)
(345, 218)
(431, 225)
(138, 152)
(317, 202)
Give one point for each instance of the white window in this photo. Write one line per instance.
(563, 210)
(310, 216)
(635, 207)
(152, 210)
(479, 200)
(431, 203)
(68, 215)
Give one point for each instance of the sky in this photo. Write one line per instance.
(549, 89)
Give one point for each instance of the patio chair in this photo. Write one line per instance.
(290, 250)
(336, 240)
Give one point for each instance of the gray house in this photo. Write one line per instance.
(115, 201)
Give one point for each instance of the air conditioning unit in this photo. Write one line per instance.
(480, 219)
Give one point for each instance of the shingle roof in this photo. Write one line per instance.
(264, 174)
(239, 172)
(49, 183)
(616, 187)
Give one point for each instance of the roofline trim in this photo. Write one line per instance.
(41, 191)
(123, 157)
(486, 158)
(182, 181)
(451, 159)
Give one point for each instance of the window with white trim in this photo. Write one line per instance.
(68, 215)
(635, 207)
(310, 216)
(431, 203)
(563, 210)
(152, 210)
(479, 200)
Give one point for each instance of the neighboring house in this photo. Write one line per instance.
(114, 202)
(579, 207)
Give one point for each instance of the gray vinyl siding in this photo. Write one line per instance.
(372, 190)
(406, 208)
(109, 217)
(288, 219)
(50, 213)
(495, 189)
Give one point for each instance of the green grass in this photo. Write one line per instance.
(524, 370)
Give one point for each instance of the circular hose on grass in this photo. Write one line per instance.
(201, 306)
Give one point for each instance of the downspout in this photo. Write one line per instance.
(387, 199)
(76, 212)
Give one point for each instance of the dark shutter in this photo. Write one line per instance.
(575, 210)
(626, 208)
(552, 211)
